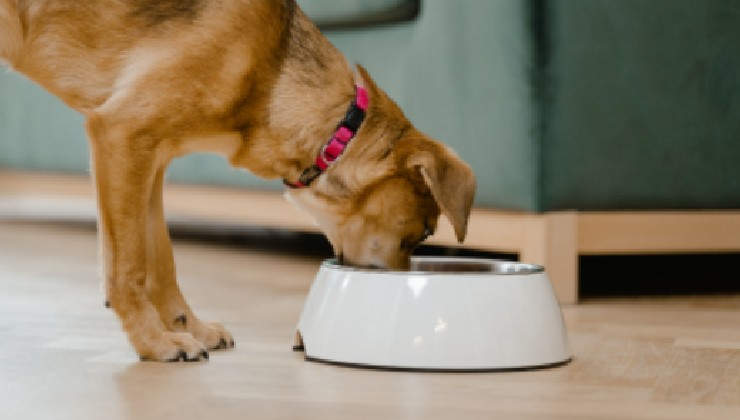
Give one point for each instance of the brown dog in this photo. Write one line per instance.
(253, 80)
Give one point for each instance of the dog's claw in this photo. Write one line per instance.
(223, 344)
(182, 356)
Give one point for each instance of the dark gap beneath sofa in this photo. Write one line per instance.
(658, 275)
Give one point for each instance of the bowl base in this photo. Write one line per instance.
(298, 346)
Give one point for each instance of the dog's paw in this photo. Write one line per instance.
(172, 347)
(212, 334)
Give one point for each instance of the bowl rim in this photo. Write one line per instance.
(522, 268)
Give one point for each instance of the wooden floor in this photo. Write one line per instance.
(62, 355)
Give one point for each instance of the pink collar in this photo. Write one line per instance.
(345, 132)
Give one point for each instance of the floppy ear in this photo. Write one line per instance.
(452, 183)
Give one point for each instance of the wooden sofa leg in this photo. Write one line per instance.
(551, 240)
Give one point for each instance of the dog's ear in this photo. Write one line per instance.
(451, 182)
(363, 79)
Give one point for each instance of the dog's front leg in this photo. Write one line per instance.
(161, 282)
(124, 169)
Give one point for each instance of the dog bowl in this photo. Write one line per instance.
(444, 314)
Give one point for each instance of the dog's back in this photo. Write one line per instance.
(84, 51)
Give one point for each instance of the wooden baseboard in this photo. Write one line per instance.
(658, 232)
(553, 239)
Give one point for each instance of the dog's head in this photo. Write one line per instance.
(384, 195)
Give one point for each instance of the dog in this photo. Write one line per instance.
(254, 81)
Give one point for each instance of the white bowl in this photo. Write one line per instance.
(444, 314)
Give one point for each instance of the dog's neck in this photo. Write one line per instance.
(345, 132)
(309, 96)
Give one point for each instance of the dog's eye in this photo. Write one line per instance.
(410, 242)
(427, 233)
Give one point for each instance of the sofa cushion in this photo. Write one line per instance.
(644, 105)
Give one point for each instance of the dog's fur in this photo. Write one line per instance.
(253, 80)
